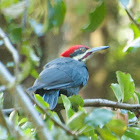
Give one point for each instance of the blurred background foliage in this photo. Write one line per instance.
(42, 29)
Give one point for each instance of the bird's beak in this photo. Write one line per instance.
(93, 50)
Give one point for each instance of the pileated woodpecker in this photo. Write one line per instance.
(66, 75)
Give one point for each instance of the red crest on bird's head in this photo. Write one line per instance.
(71, 50)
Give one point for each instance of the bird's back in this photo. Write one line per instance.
(65, 75)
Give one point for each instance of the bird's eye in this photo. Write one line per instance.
(82, 49)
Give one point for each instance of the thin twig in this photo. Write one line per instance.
(5, 76)
(25, 14)
(18, 92)
(132, 19)
(25, 103)
(45, 110)
(108, 103)
(99, 103)
(104, 103)
(11, 49)
(3, 122)
(8, 111)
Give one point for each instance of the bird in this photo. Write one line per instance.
(65, 75)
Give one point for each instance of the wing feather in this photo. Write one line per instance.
(61, 74)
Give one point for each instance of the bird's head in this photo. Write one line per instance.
(81, 52)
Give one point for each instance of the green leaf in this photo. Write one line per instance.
(76, 122)
(55, 116)
(87, 131)
(7, 3)
(138, 96)
(34, 73)
(117, 126)
(106, 134)
(23, 120)
(25, 70)
(117, 90)
(76, 101)
(59, 10)
(15, 34)
(27, 125)
(49, 123)
(96, 17)
(38, 109)
(135, 30)
(56, 13)
(60, 134)
(14, 10)
(99, 117)
(27, 132)
(90, 133)
(32, 60)
(30, 54)
(14, 117)
(133, 133)
(60, 100)
(124, 3)
(67, 105)
(131, 117)
(126, 84)
(134, 45)
(40, 100)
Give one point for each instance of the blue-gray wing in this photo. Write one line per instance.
(62, 73)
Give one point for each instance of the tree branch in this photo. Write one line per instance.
(8, 111)
(104, 103)
(17, 91)
(45, 110)
(25, 103)
(108, 103)
(61, 125)
(25, 14)
(97, 103)
(132, 19)
(87, 103)
(20, 90)
(11, 49)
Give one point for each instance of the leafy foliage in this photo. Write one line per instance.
(126, 87)
(94, 22)
(24, 32)
(96, 118)
(134, 45)
(56, 13)
(100, 123)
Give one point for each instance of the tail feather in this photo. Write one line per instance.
(51, 98)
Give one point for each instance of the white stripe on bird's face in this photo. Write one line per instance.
(82, 57)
